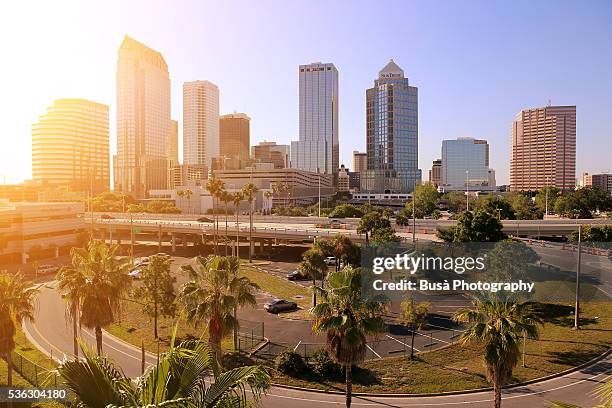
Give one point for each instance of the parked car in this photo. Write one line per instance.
(135, 273)
(204, 219)
(280, 305)
(335, 224)
(330, 260)
(296, 276)
(142, 261)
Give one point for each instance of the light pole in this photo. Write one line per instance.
(414, 212)
(467, 190)
(319, 193)
(577, 307)
(546, 199)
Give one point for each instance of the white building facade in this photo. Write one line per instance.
(200, 122)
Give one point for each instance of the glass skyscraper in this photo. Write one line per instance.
(318, 148)
(465, 164)
(392, 134)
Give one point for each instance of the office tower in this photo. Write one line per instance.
(391, 134)
(143, 119)
(234, 133)
(343, 179)
(543, 148)
(270, 152)
(435, 174)
(465, 165)
(173, 152)
(200, 122)
(360, 161)
(70, 146)
(603, 181)
(318, 149)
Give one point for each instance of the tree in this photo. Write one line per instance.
(237, 198)
(583, 202)
(499, 326)
(71, 282)
(594, 233)
(426, 202)
(267, 195)
(16, 304)
(214, 186)
(371, 221)
(346, 211)
(188, 375)
(455, 201)
(156, 294)
(547, 195)
(345, 251)
(105, 282)
(414, 316)
(313, 265)
(347, 318)
(249, 191)
(226, 198)
(384, 235)
(524, 208)
(478, 226)
(496, 205)
(212, 295)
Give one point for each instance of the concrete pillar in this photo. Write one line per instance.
(261, 245)
(56, 252)
(270, 244)
(173, 237)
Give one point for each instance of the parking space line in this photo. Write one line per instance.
(297, 345)
(372, 350)
(431, 337)
(401, 342)
(445, 328)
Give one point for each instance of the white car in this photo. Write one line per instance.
(135, 273)
(330, 260)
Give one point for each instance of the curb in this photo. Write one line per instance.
(458, 392)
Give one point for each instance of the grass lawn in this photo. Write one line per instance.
(459, 367)
(278, 287)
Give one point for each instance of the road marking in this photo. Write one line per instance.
(297, 345)
(431, 337)
(372, 350)
(401, 342)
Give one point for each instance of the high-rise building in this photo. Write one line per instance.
(270, 152)
(360, 161)
(143, 119)
(318, 149)
(603, 181)
(435, 174)
(174, 146)
(343, 179)
(200, 122)
(70, 147)
(392, 134)
(234, 132)
(543, 148)
(465, 165)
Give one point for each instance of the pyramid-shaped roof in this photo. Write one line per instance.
(391, 70)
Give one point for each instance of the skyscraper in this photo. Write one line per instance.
(435, 174)
(543, 148)
(318, 148)
(173, 148)
(465, 165)
(70, 146)
(143, 119)
(234, 131)
(360, 161)
(392, 133)
(200, 122)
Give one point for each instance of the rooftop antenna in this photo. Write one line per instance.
(549, 102)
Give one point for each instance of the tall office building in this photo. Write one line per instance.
(360, 161)
(270, 152)
(603, 181)
(435, 174)
(318, 149)
(234, 132)
(465, 165)
(143, 119)
(200, 122)
(392, 134)
(543, 148)
(70, 147)
(174, 146)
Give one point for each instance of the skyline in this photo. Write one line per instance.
(470, 87)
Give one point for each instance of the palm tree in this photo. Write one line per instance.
(313, 265)
(188, 193)
(499, 326)
(188, 375)
(226, 198)
(414, 316)
(249, 191)
(104, 283)
(237, 198)
(212, 294)
(214, 186)
(71, 282)
(345, 251)
(347, 318)
(267, 195)
(16, 304)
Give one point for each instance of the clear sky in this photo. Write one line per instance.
(476, 64)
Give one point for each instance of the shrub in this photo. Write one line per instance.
(290, 363)
(323, 365)
(229, 361)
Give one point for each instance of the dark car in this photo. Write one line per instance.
(204, 219)
(280, 305)
(296, 276)
(107, 217)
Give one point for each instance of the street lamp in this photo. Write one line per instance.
(467, 190)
